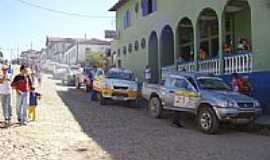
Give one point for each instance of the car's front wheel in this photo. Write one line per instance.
(155, 107)
(208, 121)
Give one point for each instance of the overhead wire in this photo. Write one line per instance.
(61, 11)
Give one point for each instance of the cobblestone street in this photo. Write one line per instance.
(70, 126)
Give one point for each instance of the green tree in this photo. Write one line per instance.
(1, 54)
(95, 58)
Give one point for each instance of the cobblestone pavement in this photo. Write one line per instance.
(71, 127)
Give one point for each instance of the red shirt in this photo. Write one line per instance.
(21, 83)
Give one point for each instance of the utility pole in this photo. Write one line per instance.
(77, 48)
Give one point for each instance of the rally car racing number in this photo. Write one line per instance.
(180, 101)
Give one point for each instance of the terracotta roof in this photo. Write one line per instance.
(118, 4)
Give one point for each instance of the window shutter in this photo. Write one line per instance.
(144, 7)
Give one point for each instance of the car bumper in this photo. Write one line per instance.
(123, 96)
(225, 114)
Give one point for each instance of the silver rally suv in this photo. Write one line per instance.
(209, 98)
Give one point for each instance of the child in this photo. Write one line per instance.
(34, 96)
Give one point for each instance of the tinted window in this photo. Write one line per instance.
(213, 84)
(182, 84)
(121, 75)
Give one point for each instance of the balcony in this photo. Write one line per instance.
(236, 63)
(240, 63)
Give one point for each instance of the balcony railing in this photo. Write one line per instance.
(237, 63)
(241, 63)
(210, 66)
(189, 67)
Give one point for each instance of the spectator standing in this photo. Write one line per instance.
(147, 74)
(34, 96)
(241, 85)
(22, 83)
(5, 92)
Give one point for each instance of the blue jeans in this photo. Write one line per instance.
(6, 105)
(22, 105)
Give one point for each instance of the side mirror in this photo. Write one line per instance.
(162, 82)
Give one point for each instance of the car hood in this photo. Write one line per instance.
(225, 95)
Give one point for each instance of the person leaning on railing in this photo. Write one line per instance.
(202, 54)
(227, 49)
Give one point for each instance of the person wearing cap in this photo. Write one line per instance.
(5, 92)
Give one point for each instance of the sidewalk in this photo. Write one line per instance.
(264, 121)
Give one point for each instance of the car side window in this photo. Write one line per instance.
(169, 83)
(182, 84)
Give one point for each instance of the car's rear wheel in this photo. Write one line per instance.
(155, 107)
(208, 121)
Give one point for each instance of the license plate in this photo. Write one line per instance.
(119, 98)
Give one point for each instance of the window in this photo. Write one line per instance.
(181, 84)
(136, 7)
(127, 19)
(125, 50)
(148, 7)
(143, 43)
(136, 46)
(130, 48)
(87, 49)
(119, 52)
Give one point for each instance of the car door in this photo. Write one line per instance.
(170, 91)
(185, 95)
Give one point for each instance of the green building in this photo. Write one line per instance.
(212, 36)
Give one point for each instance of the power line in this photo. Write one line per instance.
(61, 11)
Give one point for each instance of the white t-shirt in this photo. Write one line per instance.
(5, 87)
(147, 74)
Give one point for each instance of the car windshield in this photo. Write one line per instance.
(121, 75)
(212, 83)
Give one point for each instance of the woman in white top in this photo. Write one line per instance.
(5, 92)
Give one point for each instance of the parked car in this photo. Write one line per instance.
(207, 97)
(71, 77)
(62, 72)
(117, 85)
(86, 77)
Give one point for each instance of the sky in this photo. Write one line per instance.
(23, 25)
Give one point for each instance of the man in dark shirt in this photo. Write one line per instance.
(22, 83)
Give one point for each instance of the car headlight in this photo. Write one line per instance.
(133, 87)
(227, 104)
(257, 104)
(108, 85)
(230, 104)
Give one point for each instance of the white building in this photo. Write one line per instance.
(73, 51)
(56, 47)
(77, 54)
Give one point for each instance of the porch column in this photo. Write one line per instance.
(221, 35)
(176, 49)
(196, 45)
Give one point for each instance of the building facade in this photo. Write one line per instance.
(74, 51)
(213, 36)
(56, 47)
